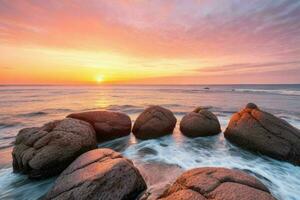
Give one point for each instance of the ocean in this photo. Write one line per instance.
(167, 157)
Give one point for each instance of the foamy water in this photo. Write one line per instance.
(32, 106)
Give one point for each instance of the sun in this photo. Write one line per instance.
(100, 78)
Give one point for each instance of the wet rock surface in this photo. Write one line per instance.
(108, 125)
(154, 122)
(259, 131)
(200, 122)
(45, 151)
(101, 174)
(212, 183)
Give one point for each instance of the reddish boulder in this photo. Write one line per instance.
(108, 125)
(259, 131)
(200, 122)
(154, 122)
(210, 183)
(100, 174)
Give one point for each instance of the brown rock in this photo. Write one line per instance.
(200, 122)
(259, 131)
(100, 174)
(48, 150)
(185, 194)
(210, 183)
(154, 122)
(108, 125)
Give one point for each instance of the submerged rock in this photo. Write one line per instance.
(154, 122)
(100, 174)
(254, 129)
(45, 151)
(216, 183)
(200, 122)
(108, 125)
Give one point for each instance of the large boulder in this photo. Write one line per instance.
(100, 174)
(108, 125)
(259, 131)
(45, 151)
(216, 183)
(154, 122)
(200, 122)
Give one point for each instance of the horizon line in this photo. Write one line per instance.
(97, 85)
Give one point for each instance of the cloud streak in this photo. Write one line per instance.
(246, 68)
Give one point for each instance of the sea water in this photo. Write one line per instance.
(160, 160)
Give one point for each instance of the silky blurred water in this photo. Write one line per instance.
(24, 106)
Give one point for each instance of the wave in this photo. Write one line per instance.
(15, 186)
(171, 105)
(45, 112)
(183, 90)
(57, 110)
(129, 109)
(6, 146)
(231, 89)
(280, 92)
(9, 124)
(33, 114)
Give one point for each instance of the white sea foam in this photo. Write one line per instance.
(282, 178)
(16, 186)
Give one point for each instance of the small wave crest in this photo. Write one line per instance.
(9, 124)
(280, 92)
(6, 146)
(57, 110)
(33, 114)
(44, 112)
(129, 109)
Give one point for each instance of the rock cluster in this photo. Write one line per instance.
(259, 131)
(69, 146)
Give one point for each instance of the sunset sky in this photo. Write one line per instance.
(149, 42)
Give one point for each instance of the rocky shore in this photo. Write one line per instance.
(68, 148)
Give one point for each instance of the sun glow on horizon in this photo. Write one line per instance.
(100, 78)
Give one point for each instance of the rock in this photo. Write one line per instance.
(251, 106)
(200, 122)
(216, 183)
(101, 174)
(154, 122)
(259, 131)
(46, 151)
(108, 125)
